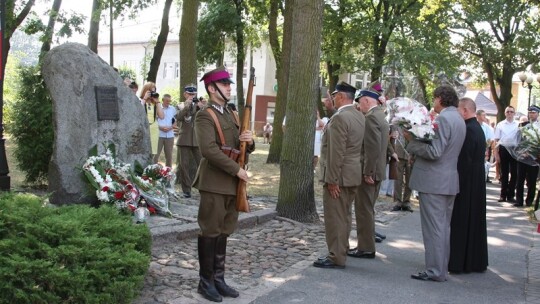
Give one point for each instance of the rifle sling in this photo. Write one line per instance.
(218, 126)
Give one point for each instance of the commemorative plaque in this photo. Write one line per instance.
(107, 103)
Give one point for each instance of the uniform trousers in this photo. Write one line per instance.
(337, 222)
(402, 192)
(217, 214)
(184, 157)
(364, 209)
(529, 174)
(435, 216)
(168, 144)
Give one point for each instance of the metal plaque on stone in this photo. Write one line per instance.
(107, 103)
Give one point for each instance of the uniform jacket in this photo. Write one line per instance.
(341, 148)
(217, 172)
(185, 119)
(435, 168)
(375, 146)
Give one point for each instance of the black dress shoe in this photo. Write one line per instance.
(422, 276)
(396, 208)
(187, 195)
(407, 208)
(378, 239)
(501, 199)
(382, 236)
(518, 205)
(355, 253)
(327, 263)
(510, 200)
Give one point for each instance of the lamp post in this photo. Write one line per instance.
(527, 82)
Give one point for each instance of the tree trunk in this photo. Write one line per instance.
(274, 154)
(505, 89)
(333, 77)
(273, 37)
(296, 198)
(47, 36)
(94, 26)
(160, 43)
(188, 49)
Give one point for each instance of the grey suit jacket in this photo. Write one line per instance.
(435, 168)
(341, 148)
(375, 144)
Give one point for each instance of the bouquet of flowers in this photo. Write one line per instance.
(109, 178)
(152, 185)
(528, 149)
(412, 116)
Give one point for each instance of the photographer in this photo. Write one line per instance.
(152, 107)
(188, 149)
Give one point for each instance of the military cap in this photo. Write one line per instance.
(344, 87)
(190, 88)
(534, 108)
(217, 75)
(367, 92)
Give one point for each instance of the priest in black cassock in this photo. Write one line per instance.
(468, 235)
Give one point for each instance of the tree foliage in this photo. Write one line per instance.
(501, 36)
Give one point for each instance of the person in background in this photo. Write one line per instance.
(134, 87)
(319, 126)
(526, 172)
(340, 173)
(488, 133)
(188, 149)
(166, 133)
(505, 137)
(267, 133)
(402, 192)
(468, 227)
(217, 181)
(150, 100)
(435, 176)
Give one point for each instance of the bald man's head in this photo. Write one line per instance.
(467, 108)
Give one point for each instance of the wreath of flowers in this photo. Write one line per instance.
(110, 180)
(115, 183)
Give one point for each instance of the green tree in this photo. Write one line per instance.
(501, 36)
(296, 194)
(16, 13)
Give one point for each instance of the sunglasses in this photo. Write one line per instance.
(510, 112)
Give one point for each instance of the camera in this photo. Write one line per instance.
(154, 94)
(195, 99)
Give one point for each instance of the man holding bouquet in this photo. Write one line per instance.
(435, 177)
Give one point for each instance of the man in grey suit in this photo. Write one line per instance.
(374, 149)
(435, 177)
(341, 174)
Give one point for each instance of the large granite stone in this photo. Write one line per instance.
(72, 72)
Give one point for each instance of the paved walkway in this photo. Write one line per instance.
(269, 260)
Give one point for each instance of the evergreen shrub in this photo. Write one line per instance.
(70, 254)
(31, 126)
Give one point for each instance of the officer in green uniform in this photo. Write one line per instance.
(217, 179)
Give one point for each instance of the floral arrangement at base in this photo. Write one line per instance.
(412, 116)
(115, 183)
(110, 179)
(152, 185)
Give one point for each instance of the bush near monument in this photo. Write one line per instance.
(73, 254)
(32, 127)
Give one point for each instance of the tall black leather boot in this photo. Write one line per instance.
(207, 287)
(219, 268)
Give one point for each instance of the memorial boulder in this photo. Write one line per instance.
(92, 107)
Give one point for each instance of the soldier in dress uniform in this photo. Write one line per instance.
(217, 179)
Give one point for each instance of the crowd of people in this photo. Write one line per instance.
(352, 147)
(448, 173)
